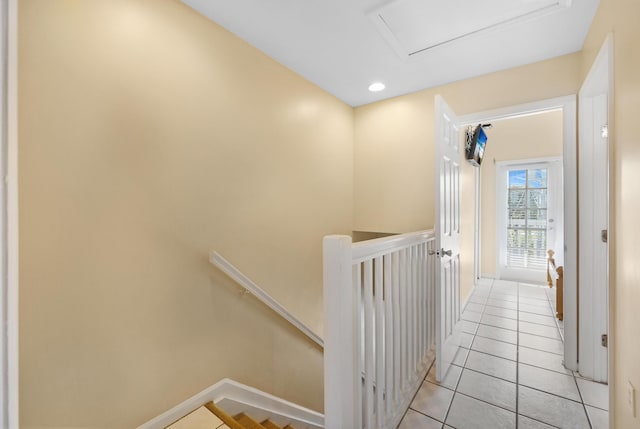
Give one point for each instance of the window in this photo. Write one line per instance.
(527, 218)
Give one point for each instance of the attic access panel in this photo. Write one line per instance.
(413, 27)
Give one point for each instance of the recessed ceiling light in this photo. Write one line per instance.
(376, 86)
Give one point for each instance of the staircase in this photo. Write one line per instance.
(209, 416)
(232, 405)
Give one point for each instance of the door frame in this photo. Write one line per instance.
(553, 163)
(9, 410)
(568, 105)
(599, 82)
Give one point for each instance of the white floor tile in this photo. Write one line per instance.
(513, 336)
(541, 343)
(551, 409)
(472, 306)
(503, 297)
(594, 394)
(450, 379)
(432, 400)
(465, 339)
(599, 418)
(492, 365)
(469, 413)
(537, 318)
(532, 291)
(509, 283)
(471, 316)
(415, 420)
(461, 356)
(500, 322)
(533, 301)
(527, 423)
(537, 309)
(489, 389)
(502, 304)
(541, 330)
(548, 381)
(495, 348)
(499, 334)
(502, 312)
(468, 327)
(542, 359)
(479, 299)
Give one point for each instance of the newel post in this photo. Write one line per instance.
(342, 402)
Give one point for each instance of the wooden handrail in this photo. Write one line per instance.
(226, 418)
(551, 266)
(559, 283)
(560, 293)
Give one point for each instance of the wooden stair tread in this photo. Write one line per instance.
(226, 418)
(248, 422)
(270, 425)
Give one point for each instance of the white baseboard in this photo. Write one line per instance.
(234, 398)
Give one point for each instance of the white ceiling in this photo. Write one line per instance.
(344, 45)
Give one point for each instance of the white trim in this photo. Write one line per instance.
(244, 281)
(9, 411)
(477, 239)
(518, 110)
(569, 139)
(234, 398)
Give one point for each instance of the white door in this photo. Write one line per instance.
(447, 236)
(593, 196)
(593, 233)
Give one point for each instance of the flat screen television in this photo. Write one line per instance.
(476, 146)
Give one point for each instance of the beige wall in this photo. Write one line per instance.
(525, 137)
(149, 136)
(394, 153)
(621, 18)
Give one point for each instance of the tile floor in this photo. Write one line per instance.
(509, 372)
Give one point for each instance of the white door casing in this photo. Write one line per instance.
(447, 230)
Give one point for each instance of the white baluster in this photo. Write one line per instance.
(369, 372)
(379, 343)
(388, 333)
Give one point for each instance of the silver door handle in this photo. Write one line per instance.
(442, 252)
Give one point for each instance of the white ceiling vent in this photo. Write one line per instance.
(413, 27)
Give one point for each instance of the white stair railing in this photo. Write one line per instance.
(379, 327)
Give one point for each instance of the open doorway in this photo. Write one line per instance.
(567, 252)
(520, 197)
(484, 245)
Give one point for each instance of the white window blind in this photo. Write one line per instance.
(527, 218)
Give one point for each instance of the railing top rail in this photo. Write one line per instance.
(381, 246)
(229, 269)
